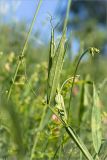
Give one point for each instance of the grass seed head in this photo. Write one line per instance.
(93, 51)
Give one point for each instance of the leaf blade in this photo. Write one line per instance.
(96, 121)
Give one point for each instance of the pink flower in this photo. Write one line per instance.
(55, 119)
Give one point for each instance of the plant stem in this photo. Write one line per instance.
(67, 15)
(74, 75)
(23, 50)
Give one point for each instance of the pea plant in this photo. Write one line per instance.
(54, 108)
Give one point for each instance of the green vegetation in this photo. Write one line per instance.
(47, 110)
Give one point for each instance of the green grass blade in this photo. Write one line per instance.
(52, 51)
(96, 121)
(67, 15)
(51, 55)
(57, 61)
(79, 143)
(55, 70)
(23, 50)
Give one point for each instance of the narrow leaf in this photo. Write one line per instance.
(51, 55)
(79, 142)
(56, 60)
(56, 68)
(96, 121)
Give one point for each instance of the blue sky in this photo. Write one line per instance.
(17, 10)
(27, 9)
